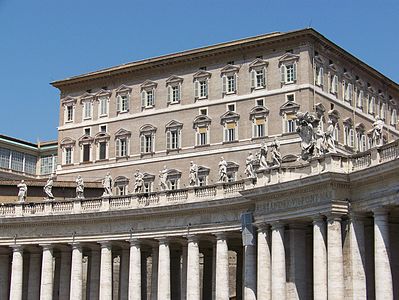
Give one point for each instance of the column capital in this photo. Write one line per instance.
(263, 226)
(192, 238)
(317, 218)
(333, 217)
(105, 244)
(47, 246)
(220, 235)
(163, 240)
(277, 225)
(380, 212)
(17, 247)
(134, 242)
(74, 245)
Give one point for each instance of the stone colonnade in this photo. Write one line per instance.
(301, 260)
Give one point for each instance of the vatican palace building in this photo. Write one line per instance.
(256, 169)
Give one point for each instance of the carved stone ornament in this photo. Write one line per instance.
(22, 191)
(107, 185)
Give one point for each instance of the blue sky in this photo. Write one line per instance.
(46, 40)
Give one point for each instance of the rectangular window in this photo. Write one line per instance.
(87, 131)
(173, 139)
(46, 165)
(86, 152)
(231, 107)
(230, 132)
(146, 143)
(102, 151)
(334, 84)
(147, 187)
(319, 76)
(30, 164)
(121, 145)
(290, 73)
(149, 98)
(68, 156)
(290, 125)
(260, 102)
(259, 128)
(124, 104)
(4, 158)
(17, 161)
(203, 111)
(203, 89)
(69, 113)
(87, 110)
(231, 84)
(348, 93)
(103, 128)
(202, 136)
(290, 97)
(201, 180)
(103, 106)
(175, 94)
(173, 184)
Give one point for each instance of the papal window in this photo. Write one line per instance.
(147, 139)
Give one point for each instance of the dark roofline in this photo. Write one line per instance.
(26, 143)
(215, 49)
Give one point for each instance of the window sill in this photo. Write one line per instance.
(142, 154)
(122, 112)
(103, 116)
(288, 133)
(67, 165)
(258, 138)
(148, 107)
(258, 88)
(125, 157)
(102, 160)
(230, 142)
(229, 93)
(201, 146)
(68, 122)
(173, 150)
(87, 119)
(174, 103)
(85, 162)
(201, 98)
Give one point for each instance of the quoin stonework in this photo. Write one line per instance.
(263, 168)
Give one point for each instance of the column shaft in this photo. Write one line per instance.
(154, 273)
(135, 271)
(319, 259)
(34, 276)
(106, 272)
(76, 273)
(222, 268)
(249, 273)
(264, 264)
(47, 282)
(16, 273)
(193, 275)
(278, 263)
(335, 261)
(164, 271)
(383, 274)
(184, 270)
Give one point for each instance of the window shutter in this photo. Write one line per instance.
(350, 87)
(196, 86)
(335, 83)
(360, 99)
(168, 137)
(143, 99)
(224, 84)
(283, 71)
(264, 77)
(118, 103)
(142, 143)
(180, 92)
(226, 134)
(197, 134)
(127, 102)
(118, 147)
(179, 138)
(321, 76)
(295, 67)
(206, 87)
(153, 97)
(253, 78)
(344, 90)
(169, 94)
(329, 82)
(235, 82)
(351, 137)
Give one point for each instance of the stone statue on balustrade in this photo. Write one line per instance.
(49, 187)
(262, 155)
(193, 174)
(80, 187)
(378, 125)
(319, 137)
(138, 182)
(107, 185)
(249, 166)
(276, 155)
(329, 142)
(223, 170)
(23, 191)
(163, 179)
(305, 128)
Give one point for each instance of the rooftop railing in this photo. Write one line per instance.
(329, 163)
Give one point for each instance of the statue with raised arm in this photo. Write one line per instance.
(163, 179)
(249, 166)
(23, 191)
(79, 187)
(263, 156)
(378, 126)
(138, 182)
(319, 136)
(107, 184)
(193, 174)
(49, 187)
(329, 138)
(222, 170)
(276, 155)
(305, 130)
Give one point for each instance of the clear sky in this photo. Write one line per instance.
(46, 40)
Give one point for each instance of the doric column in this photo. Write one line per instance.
(383, 274)
(106, 271)
(16, 272)
(358, 288)
(249, 272)
(124, 274)
(278, 262)
(183, 279)
(4, 274)
(76, 273)
(65, 274)
(319, 259)
(35, 262)
(335, 262)
(222, 267)
(193, 274)
(264, 263)
(47, 282)
(135, 270)
(154, 272)
(164, 270)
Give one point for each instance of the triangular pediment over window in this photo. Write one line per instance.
(85, 139)
(360, 82)
(320, 59)
(202, 74)
(258, 111)
(67, 142)
(348, 76)
(87, 97)
(289, 107)
(202, 170)
(174, 79)
(229, 116)
(148, 84)
(348, 121)
(148, 128)
(123, 89)
(288, 57)
(232, 166)
(360, 127)
(333, 67)
(173, 173)
(174, 124)
(121, 180)
(102, 136)
(103, 93)
(68, 100)
(148, 177)
(258, 63)
(122, 133)
(230, 69)
(334, 115)
(201, 120)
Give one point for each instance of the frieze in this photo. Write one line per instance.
(294, 202)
